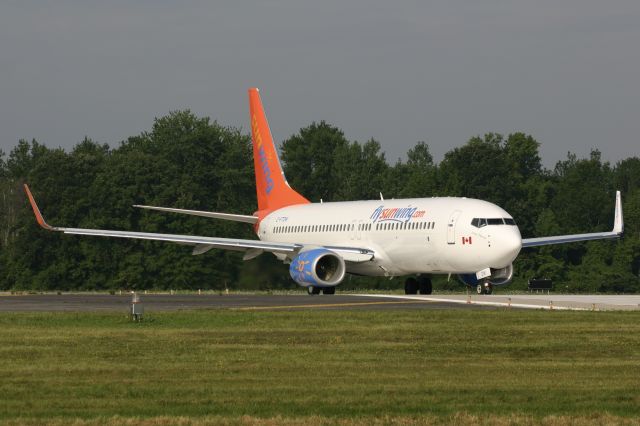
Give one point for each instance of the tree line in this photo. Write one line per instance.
(191, 162)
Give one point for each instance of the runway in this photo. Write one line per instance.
(91, 302)
(166, 302)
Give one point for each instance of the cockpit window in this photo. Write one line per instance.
(479, 222)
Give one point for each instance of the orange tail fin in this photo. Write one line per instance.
(273, 190)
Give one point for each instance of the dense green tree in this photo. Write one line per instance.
(309, 160)
(191, 162)
(415, 178)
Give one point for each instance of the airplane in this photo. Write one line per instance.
(322, 242)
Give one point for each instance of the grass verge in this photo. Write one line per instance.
(323, 367)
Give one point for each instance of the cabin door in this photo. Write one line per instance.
(451, 227)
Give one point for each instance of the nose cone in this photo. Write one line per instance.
(509, 243)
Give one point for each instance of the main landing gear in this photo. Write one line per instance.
(316, 290)
(485, 287)
(420, 284)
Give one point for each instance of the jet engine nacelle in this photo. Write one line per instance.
(500, 276)
(318, 268)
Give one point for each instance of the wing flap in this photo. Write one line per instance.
(225, 243)
(352, 254)
(561, 239)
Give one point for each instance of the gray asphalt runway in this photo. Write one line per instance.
(165, 302)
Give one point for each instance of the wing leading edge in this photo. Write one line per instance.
(616, 232)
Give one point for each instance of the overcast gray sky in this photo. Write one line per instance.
(566, 72)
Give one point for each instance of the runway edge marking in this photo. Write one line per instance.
(475, 302)
(322, 305)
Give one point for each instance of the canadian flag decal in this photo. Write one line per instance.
(466, 240)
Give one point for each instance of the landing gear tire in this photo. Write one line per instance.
(313, 290)
(329, 290)
(485, 288)
(411, 286)
(424, 285)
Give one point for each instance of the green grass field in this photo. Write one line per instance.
(321, 367)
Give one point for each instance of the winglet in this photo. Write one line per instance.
(36, 210)
(618, 223)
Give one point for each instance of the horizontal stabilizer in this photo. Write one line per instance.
(214, 215)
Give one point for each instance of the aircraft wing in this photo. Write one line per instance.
(618, 229)
(203, 244)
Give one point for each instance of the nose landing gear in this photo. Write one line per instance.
(485, 287)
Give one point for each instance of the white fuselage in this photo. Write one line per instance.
(409, 236)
